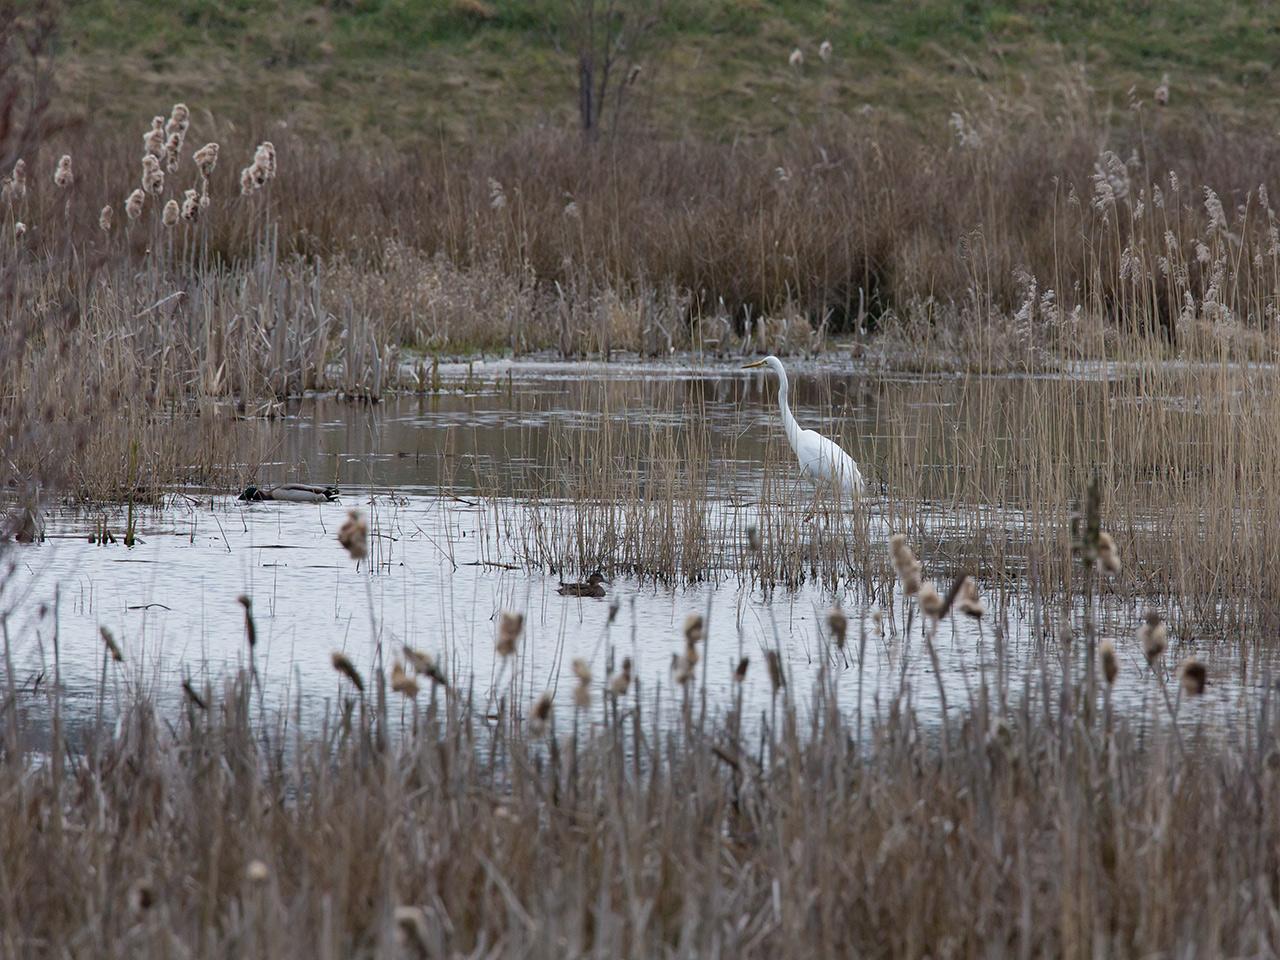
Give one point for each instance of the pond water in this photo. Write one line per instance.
(482, 496)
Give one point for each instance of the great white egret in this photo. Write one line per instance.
(821, 460)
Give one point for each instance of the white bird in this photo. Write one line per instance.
(821, 460)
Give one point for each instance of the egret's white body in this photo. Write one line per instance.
(821, 460)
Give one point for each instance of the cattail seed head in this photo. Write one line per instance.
(206, 158)
(1153, 636)
(497, 196)
(1110, 662)
(354, 535)
(104, 219)
(257, 872)
(133, 204)
(172, 152)
(402, 683)
(509, 627)
(109, 642)
(153, 140)
(838, 624)
(968, 601)
(19, 230)
(62, 176)
(620, 682)
(681, 670)
(247, 183)
(740, 671)
(777, 679)
(191, 206)
(179, 120)
(753, 539)
(540, 715)
(344, 666)
(1108, 555)
(171, 213)
(931, 602)
(1195, 676)
(1162, 91)
(152, 176)
(693, 629)
(797, 58)
(824, 51)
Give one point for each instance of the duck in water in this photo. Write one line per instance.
(592, 588)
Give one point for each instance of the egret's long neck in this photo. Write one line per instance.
(788, 421)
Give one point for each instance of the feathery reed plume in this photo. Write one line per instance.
(540, 715)
(113, 648)
(133, 204)
(1162, 91)
(142, 897)
(905, 563)
(1195, 676)
(354, 535)
(172, 152)
(777, 679)
(796, 59)
(1153, 636)
(191, 206)
(824, 51)
(62, 176)
(582, 692)
(509, 627)
(171, 213)
(620, 682)
(402, 683)
(250, 628)
(153, 140)
(411, 929)
(104, 219)
(838, 624)
(152, 176)
(206, 158)
(247, 185)
(967, 600)
(257, 872)
(681, 670)
(740, 671)
(344, 666)
(265, 157)
(425, 665)
(753, 538)
(1108, 555)
(1110, 662)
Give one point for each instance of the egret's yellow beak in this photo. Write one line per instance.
(757, 363)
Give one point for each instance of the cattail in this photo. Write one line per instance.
(142, 897)
(1195, 676)
(250, 628)
(354, 535)
(877, 620)
(540, 716)
(497, 196)
(257, 872)
(425, 665)
(62, 176)
(824, 51)
(104, 219)
(19, 230)
(797, 58)
(152, 175)
(133, 204)
(740, 671)
(1153, 636)
(348, 669)
(1162, 91)
(906, 564)
(571, 210)
(191, 206)
(171, 213)
(113, 648)
(190, 693)
(206, 158)
(153, 141)
(179, 120)
(582, 693)
(172, 152)
(838, 624)
(753, 538)
(509, 627)
(967, 600)
(247, 184)
(634, 73)
(620, 682)
(681, 670)
(1108, 555)
(1110, 662)
(931, 602)
(777, 679)
(6, 191)
(693, 629)
(402, 683)
(18, 185)
(265, 158)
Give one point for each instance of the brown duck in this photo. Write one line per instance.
(592, 588)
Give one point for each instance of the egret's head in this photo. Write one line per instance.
(772, 362)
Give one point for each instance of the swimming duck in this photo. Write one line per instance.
(591, 588)
(292, 493)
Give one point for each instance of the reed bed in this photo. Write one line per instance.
(415, 813)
